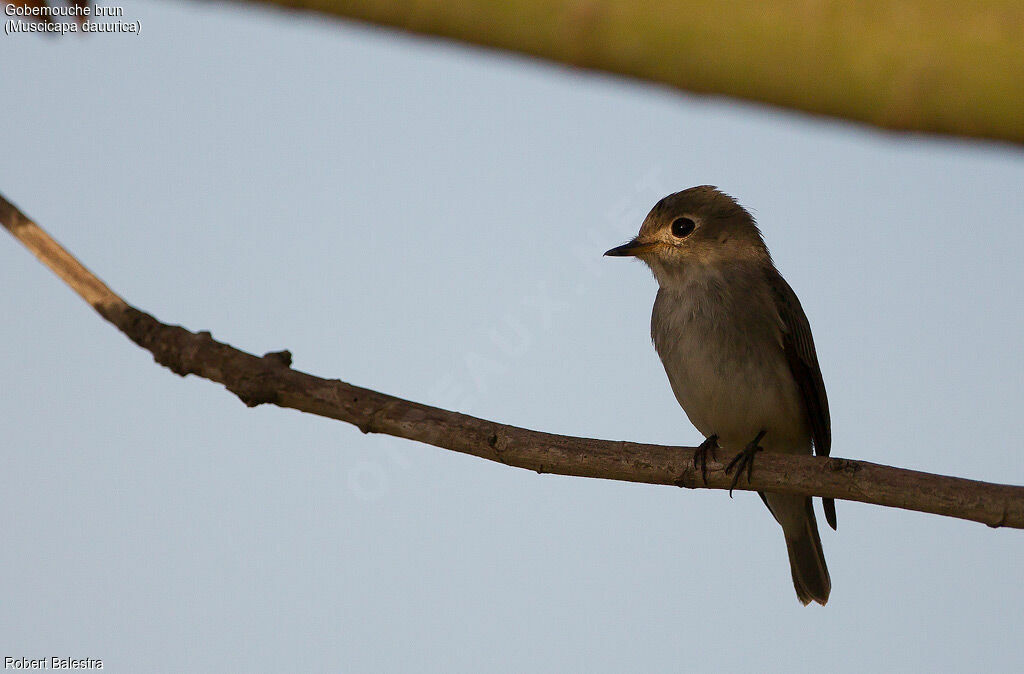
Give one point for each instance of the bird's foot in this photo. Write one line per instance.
(700, 456)
(744, 459)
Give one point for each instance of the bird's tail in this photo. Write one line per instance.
(806, 558)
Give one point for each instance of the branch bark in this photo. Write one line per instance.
(270, 380)
(914, 65)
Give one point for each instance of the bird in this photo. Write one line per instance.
(739, 355)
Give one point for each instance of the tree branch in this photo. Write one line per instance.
(270, 380)
(916, 65)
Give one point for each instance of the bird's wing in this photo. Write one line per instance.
(803, 363)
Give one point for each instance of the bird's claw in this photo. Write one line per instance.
(744, 459)
(700, 456)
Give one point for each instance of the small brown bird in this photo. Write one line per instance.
(738, 352)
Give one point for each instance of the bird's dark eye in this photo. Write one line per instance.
(683, 227)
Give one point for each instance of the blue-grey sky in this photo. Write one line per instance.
(428, 220)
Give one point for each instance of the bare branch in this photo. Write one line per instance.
(270, 379)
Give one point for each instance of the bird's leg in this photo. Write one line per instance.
(700, 455)
(744, 459)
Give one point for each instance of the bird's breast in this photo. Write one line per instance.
(725, 363)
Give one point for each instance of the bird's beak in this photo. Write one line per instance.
(634, 248)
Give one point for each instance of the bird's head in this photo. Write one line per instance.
(697, 229)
